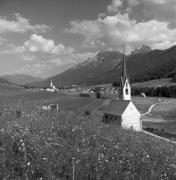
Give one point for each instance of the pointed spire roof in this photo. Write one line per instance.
(124, 71)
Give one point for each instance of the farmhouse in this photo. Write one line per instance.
(122, 111)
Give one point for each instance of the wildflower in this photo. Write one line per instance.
(106, 160)
(116, 146)
(147, 156)
(44, 158)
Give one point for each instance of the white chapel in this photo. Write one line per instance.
(122, 111)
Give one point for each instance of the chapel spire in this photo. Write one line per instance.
(124, 72)
(125, 92)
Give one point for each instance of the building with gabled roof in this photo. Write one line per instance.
(122, 111)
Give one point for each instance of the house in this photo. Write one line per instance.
(122, 111)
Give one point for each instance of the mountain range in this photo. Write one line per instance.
(21, 79)
(143, 49)
(105, 67)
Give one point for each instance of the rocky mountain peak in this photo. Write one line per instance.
(143, 49)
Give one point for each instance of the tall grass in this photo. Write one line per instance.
(37, 144)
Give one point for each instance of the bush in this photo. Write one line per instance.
(87, 112)
(84, 95)
(98, 94)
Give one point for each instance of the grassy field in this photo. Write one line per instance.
(11, 90)
(73, 143)
(166, 109)
(162, 119)
(143, 104)
(53, 145)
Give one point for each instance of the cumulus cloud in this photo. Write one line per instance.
(119, 29)
(162, 10)
(20, 25)
(86, 28)
(156, 27)
(114, 6)
(38, 43)
(43, 56)
(133, 2)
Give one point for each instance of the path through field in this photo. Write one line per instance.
(150, 108)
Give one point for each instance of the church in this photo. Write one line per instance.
(122, 111)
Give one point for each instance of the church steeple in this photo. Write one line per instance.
(125, 93)
(124, 73)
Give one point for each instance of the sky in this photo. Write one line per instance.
(46, 37)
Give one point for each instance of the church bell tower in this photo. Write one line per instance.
(125, 87)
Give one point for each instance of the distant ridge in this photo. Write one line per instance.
(21, 79)
(4, 81)
(105, 67)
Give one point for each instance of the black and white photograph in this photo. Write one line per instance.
(87, 89)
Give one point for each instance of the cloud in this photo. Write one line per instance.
(44, 57)
(162, 10)
(86, 28)
(20, 25)
(114, 6)
(155, 27)
(117, 30)
(144, 10)
(2, 40)
(39, 47)
(133, 2)
(38, 43)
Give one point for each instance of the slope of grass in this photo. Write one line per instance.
(36, 144)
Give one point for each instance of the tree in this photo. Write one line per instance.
(98, 94)
(116, 84)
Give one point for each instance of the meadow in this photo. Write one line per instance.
(70, 144)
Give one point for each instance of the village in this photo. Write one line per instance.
(81, 89)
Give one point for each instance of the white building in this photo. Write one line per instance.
(52, 87)
(122, 111)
